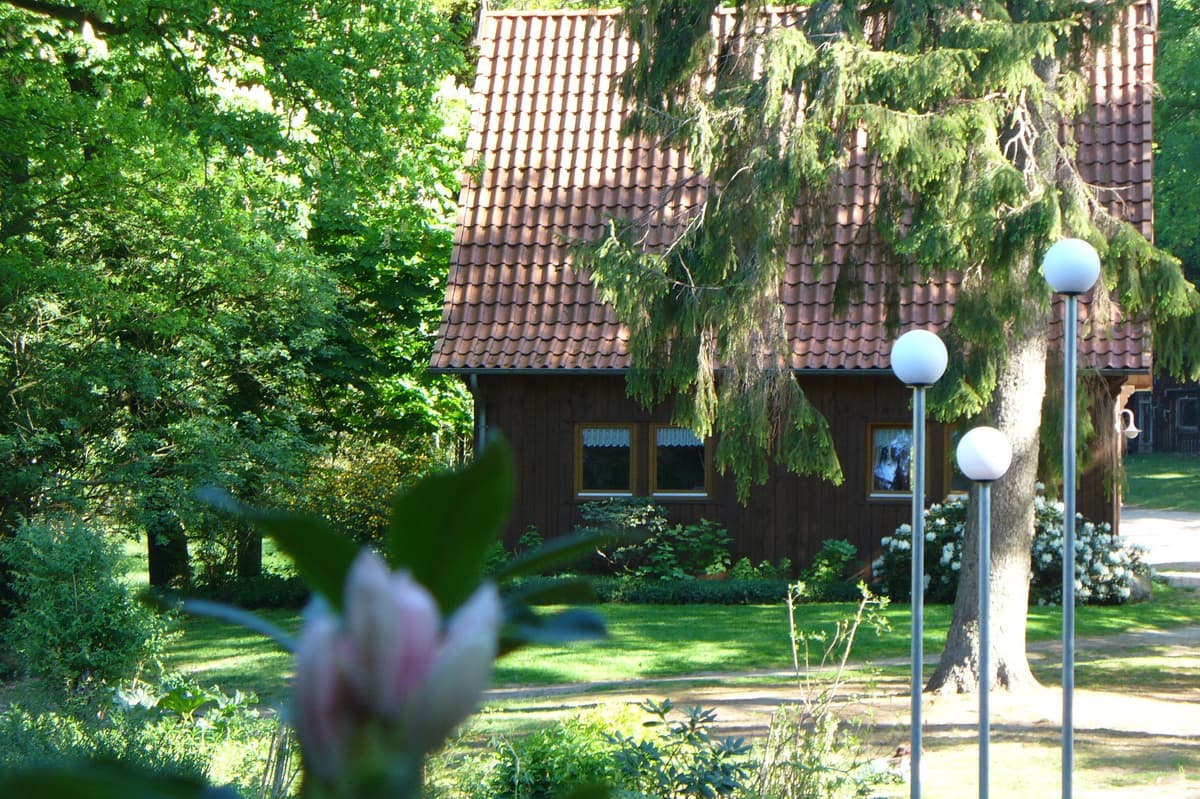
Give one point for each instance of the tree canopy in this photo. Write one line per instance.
(223, 231)
(1177, 133)
(962, 116)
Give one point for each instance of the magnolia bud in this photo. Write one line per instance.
(388, 671)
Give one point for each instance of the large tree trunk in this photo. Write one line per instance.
(249, 553)
(1016, 409)
(166, 545)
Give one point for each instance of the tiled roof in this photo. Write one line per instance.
(548, 167)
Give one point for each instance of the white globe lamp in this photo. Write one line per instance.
(919, 358)
(984, 454)
(1071, 266)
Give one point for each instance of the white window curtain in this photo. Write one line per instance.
(606, 437)
(677, 437)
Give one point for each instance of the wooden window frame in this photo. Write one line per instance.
(1179, 425)
(873, 493)
(580, 491)
(950, 447)
(653, 456)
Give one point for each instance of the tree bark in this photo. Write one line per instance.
(249, 553)
(166, 545)
(1016, 410)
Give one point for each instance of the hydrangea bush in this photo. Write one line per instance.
(1106, 566)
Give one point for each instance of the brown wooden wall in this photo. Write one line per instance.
(789, 516)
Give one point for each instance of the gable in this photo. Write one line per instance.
(549, 167)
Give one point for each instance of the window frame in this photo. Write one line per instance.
(951, 447)
(583, 493)
(1179, 425)
(653, 457)
(873, 493)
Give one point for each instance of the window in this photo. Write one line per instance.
(957, 483)
(1187, 413)
(680, 463)
(889, 460)
(604, 460)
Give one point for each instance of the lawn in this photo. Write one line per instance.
(659, 641)
(1163, 480)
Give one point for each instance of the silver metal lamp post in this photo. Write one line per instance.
(919, 359)
(984, 455)
(1071, 267)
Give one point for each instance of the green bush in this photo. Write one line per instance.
(175, 729)
(692, 592)
(550, 762)
(684, 759)
(673, 754)
(268, 590)
(75, 620)
(765, 570)
(1105, 564)
(829, 578)
(657, 549)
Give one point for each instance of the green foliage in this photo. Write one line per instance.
(553, 761)
(442, 530)
(829, 577)
(1106, 567)
(960, 111)
(814, 749)
(1177, 132)
(765, 570)
(684, 759)
(177, 732)
(442, 527)
(74, 620)
(223, 236)
(691, 591)
(656, 550)
(674, 754)
(267, 590)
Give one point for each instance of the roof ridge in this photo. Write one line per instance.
(611, 11)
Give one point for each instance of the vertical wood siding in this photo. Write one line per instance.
(789, 516)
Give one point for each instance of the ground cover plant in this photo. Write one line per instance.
(1163, 480)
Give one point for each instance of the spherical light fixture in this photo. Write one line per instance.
(984, 454)
(1071, 266)
(919, 358)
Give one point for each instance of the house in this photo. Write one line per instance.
(546, 359)
(1168, 417)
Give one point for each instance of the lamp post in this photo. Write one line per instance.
(984, 456)
(919, 359)
(1071, 267)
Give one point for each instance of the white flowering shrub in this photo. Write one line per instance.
(1105, 564)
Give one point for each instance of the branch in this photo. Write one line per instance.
(68, 14)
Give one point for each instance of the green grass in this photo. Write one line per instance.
(1163, 480)
(659, 641)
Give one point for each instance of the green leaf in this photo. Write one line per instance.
(441, 529)
(570, 625)
(322, 556)
(572, 591)
(103, 780)
(556, 552)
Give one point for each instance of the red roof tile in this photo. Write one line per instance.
(545, 118)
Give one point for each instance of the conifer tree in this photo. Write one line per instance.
(961, 113)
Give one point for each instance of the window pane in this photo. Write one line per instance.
(1189, 413)
(607, 465)
(679, 464)
(890, 459)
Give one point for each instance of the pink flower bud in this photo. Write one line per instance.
(389, 665)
